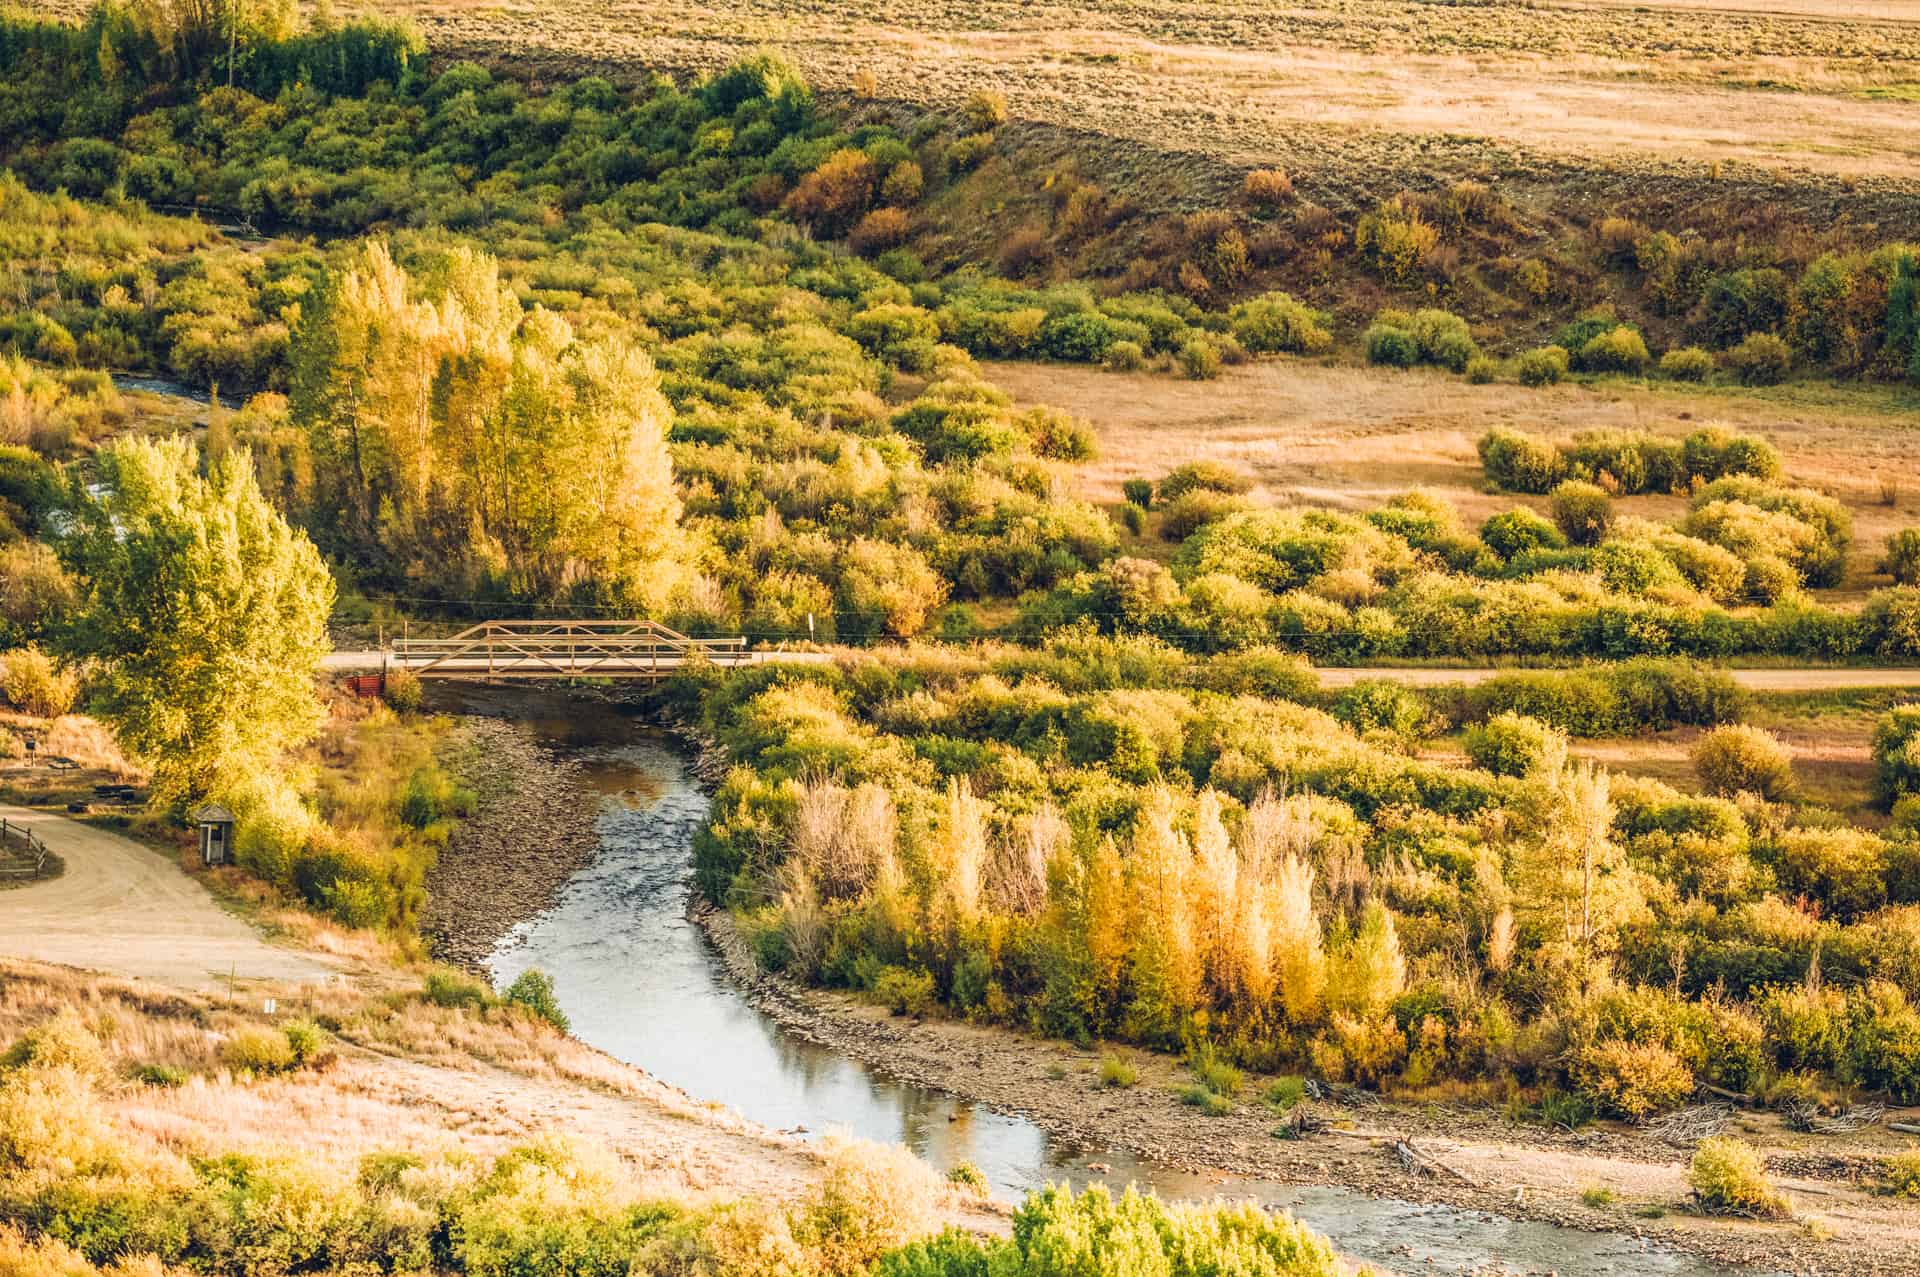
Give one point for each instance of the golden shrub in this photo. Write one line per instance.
(871, 1199)
(1729, 1177)
(1267, 187)
(1634, 1080)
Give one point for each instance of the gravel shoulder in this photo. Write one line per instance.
(125, 910)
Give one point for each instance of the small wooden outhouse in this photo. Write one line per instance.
(216, 834)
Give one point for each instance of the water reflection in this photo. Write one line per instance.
(639, 981)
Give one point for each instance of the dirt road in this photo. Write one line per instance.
(1754, 680)
(122, 909)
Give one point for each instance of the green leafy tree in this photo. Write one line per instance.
(207, 612)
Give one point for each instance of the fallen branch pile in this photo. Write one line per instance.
(1802, 1116)
(1688, 1126)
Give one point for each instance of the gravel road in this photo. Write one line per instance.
(1789, 679)
(125, 910)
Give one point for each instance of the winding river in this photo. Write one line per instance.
(639, 981)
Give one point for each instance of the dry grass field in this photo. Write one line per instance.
(1680, 86)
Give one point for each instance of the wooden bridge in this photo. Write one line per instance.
(565, 649)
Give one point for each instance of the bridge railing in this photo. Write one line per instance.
(564, 649)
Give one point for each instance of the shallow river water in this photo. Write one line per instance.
(639, 981)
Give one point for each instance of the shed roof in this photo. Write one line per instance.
(213, 813)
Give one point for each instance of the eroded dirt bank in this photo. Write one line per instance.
(1471, 1157)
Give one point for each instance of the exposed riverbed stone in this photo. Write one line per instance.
(532, 828)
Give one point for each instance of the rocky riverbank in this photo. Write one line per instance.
(532, 829)
(1466, 1156)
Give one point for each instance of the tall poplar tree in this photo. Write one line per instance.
(206, 612)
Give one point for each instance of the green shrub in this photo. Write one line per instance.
(1482, 371)
(1138, 492)
(1210, 1102)
(970, 1179)
(1134, 519)
(1214, 1073)
(259, 1051)
(1266, 672)
(1520, 462)
(1687, 363)
(1520, 531)
(1890, 623)
(984, 111)
(1390, 346)
(1900, 1173)
(1902, 561)
(1769, 579)
(1284, 1093)
(1541, 366)
(1738, 759)
(1383, 705)
(1619, 349)
(903, 991)
(1637, 461)
(1583, 512)
(1191, 511)
(305, 1039)
(964, 154)
(1396, 239)
(62, 1041)
(1200, 360)
(1058, 436)
(1125, 356)
(1056, 1234)
(1714, 452)
(431, 796)
(1116, 1072)
(1729, 1177)
(533, 992)
(452, 989)
(1443, 339)
(1760, 360)
(1806, 1028)
(164, 1076)
(1885, 1041)
(1843, 868)
(1566, 1110)
(1276, 322)
(1896, 753)
(1508, 744)
(1201, 476)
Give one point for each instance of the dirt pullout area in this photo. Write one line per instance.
(126, 910)
(531, 829)
(1489, 1163)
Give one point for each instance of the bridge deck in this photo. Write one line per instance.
(560, 649)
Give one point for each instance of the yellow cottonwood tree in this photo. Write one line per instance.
(454, 432)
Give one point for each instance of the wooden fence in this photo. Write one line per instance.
(34, 858)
